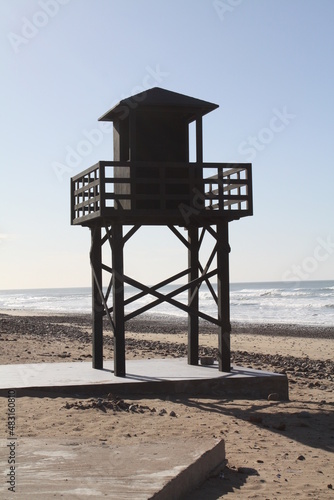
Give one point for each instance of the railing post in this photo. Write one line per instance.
(102, 185)
(73, 211)
(249, 188)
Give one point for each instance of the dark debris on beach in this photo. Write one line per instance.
(72, 325)
(109, 402)
(76, 328)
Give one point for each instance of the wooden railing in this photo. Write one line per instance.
(182, 191)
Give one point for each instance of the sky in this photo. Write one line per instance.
(268, 64)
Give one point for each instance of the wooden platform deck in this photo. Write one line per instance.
(154, 193)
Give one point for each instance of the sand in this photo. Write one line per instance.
(274, 449)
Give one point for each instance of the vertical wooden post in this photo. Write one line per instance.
(199, 138)
(118, 299)
(97, 307)
(223, 289)
(193, 257)
(193, 328)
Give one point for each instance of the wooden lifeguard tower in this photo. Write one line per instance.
(151, 182)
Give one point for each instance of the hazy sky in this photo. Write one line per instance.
(267, 63)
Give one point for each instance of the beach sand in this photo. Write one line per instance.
(275, 449)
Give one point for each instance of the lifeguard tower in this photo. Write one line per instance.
(152, 182)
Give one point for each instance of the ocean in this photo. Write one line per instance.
(303, 303)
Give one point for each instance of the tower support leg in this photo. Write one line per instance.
(118, 299)
(193, 301)
(97, 307)
(223, 289)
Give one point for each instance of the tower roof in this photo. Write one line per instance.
(160, 98)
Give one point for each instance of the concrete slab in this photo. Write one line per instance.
(49, 468)
(143, 376)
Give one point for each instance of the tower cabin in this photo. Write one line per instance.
(151, 181)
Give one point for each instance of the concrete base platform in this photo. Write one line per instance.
(50, 468)
(149, 376)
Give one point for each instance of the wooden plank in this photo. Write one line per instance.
(212, 165)
(86, 172)
(102, 189)
(167, 298)
(86, 187)
(171, 165)
(210, 230)
(199, 139)
(179, 235)
(106, 268)
(115, 180)
(225, 189)
(86, 218)
(147, 217)
(130, 233)
(250, 191)
(231, 200)
(107, 236)
(223, 174)
(108, 291)
(103, 300)
(72, 201)
(157, 286)
(210, 287)
(87, 202)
